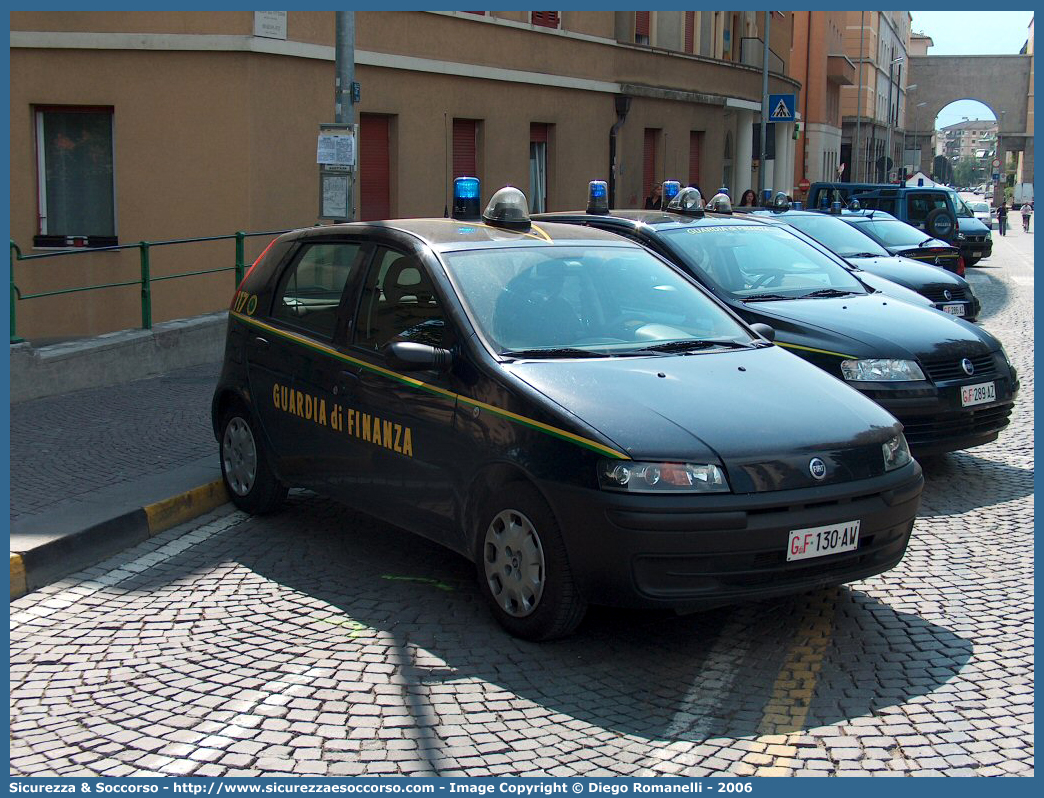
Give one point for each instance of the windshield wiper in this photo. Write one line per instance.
(861, 255)
(763, 297)
(563, 351)
(828, 292)
(692, 343)
(926, 241)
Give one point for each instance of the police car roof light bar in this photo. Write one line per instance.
(598, 197)
(686, 202)
(507, 208)
(466, 191)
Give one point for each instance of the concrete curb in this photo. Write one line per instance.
(84, 547)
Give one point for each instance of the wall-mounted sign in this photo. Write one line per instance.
(270, 24)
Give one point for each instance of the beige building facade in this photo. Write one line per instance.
(819, 63)
(878, 43)
(147, 126)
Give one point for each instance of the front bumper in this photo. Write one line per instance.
(933, 419)
(698, 552)
(976, 250)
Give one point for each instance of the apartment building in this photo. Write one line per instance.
(155, 125)
(819, 63)
(878, 43)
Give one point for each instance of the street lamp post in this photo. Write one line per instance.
(888, 138)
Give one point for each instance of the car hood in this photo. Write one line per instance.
(872, 326)
(969, 224)
(761, 413)
(908, 272)
(890, 287)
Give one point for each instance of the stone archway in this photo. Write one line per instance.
(943, 79)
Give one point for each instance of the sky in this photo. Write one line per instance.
(971, 33)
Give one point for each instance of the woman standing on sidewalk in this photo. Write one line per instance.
(1002, 218)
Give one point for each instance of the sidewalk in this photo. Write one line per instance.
(97, 470)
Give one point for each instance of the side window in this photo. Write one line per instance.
(920, 205)
(310, 291)
(398, 304)
(886, 204)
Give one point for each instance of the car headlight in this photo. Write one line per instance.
(961, 236)
(881, 369)
(989, 236)
(896, 452)
(636, 477)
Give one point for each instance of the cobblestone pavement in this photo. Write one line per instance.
(318, 641)
(70, 445)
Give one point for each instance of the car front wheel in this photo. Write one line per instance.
(244, 467)
(523, 569)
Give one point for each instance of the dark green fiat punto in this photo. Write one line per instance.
(560, 406)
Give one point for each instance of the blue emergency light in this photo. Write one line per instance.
(466, 192)
(797, 206)
(597, 197)
(780, 203)
(670, 190)
(724, 190)
(835, 208)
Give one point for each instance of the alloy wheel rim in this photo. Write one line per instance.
(239, 456)
(513, 559)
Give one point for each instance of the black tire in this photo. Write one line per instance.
(971, 262)
(541, 602)
(248, 477)
(939, 224)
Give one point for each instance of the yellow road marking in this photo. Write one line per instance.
(177, 510)
(18, 584)
(784, 716)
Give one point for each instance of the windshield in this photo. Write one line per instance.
(834, 234)
(573, 301)
(963, 211)
(893, 233)
(761, 261)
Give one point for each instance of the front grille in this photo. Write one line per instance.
(935, 293)
(950, 368)
(929, 429)
(974, 239)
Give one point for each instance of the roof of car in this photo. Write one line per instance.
(449, 234)
(658, 219)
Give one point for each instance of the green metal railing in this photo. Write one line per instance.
(145, 281)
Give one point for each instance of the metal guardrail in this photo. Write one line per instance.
(145, 281)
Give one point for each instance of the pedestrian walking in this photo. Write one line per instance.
(1002, 218)
(1027, 209)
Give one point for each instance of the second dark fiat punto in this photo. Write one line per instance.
(560, 406)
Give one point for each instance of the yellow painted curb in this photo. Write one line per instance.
(18, 586)
(179, 509)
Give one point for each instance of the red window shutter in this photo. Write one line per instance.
(546, 19)
(641, 24)
(695, 140)
(649, 159)
(538, 132)
(690, 30)
(374, 168)
(464, 148)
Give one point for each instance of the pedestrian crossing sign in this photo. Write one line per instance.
(781, 107)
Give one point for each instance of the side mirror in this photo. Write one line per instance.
(409, 356)
(764, 331)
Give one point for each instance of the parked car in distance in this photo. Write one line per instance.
(945, 290)
(900, 238)
(982, 212)
(909, 359)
